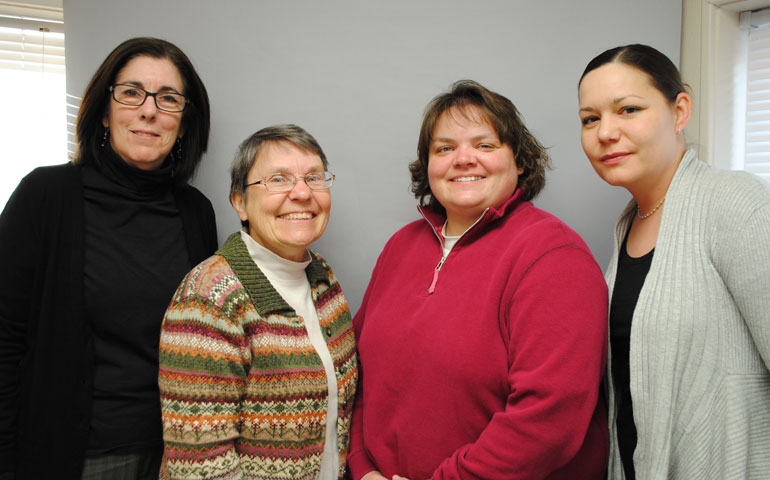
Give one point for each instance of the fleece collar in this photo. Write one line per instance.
(436, 219)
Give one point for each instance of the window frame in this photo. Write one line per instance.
(713, 56)
(33, 45)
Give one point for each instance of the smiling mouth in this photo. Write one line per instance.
(143, 134)
(466, 179)
(612, 156)
(297, 216)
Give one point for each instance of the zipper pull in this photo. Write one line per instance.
(435, 275)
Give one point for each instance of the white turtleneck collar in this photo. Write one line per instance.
(279, 270)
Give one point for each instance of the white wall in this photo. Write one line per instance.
(357, 75)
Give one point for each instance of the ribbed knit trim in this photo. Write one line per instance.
(265, 298)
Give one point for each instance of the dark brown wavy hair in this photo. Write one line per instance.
(528, 153)
(96, 103)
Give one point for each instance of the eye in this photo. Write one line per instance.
(131, 92)
(279, 179)
(629, 110)
(169, 98)
(486, 146)
(443, 149)
(315, 178)
(586, 121)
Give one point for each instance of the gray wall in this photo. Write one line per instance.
(357, 75)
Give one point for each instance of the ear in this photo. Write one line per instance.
(682, 110)
(519, 168)
(238, 201)
(105, 121)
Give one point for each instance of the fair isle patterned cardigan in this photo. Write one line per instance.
(243, 391)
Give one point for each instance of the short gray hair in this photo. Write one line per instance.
(249, 149)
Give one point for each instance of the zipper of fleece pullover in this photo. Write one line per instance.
(440, 238)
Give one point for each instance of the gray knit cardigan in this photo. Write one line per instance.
(700, 337)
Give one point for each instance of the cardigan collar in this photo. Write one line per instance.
(263, 295)
(279, 268)
(688, 163)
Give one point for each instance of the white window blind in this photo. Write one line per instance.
(31, 50)
(757, 149)
(33, 127)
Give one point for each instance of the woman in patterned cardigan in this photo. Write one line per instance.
(257, 359)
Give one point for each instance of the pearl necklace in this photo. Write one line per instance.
(642, 217)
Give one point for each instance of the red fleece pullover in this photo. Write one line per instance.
(495, 373)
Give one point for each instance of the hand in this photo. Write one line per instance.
(373, 475)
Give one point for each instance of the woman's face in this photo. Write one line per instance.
(285, 223)
(143, 136)
(630, 132)
(469, 168)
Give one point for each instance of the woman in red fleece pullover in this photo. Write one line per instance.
(482, 335)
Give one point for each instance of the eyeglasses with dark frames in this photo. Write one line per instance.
(134, 96)
(285, 182)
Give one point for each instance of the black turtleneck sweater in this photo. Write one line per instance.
(135, 257)
(47, 351)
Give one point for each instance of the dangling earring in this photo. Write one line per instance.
(106, 134)
(179, 149)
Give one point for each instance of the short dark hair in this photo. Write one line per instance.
(96, 103)
(661, 70)
(502, 115)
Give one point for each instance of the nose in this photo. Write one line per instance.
(301, 192)
(464, 157)
(148, 109)
(608, 130)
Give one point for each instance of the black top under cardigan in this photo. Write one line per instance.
(629, 280)
(46, 348)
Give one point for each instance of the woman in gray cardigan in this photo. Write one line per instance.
(688, 380)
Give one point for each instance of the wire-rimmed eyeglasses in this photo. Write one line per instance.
(132, 95)
(285, 182)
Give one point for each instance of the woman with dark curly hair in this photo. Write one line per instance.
(92, 252)
(482, 334)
